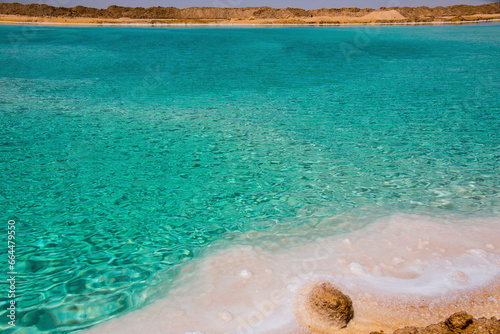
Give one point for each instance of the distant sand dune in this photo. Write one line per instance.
(383, 15)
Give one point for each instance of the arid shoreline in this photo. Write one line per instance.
(247, 16)
(29, 20)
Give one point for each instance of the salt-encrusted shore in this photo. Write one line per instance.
(402, 270)
(324, 309)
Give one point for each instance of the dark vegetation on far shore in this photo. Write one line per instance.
(412, 14)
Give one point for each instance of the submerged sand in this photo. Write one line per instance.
(402, 270)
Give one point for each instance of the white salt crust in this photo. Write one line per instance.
(400, 270)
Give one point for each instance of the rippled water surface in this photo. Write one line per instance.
(126, 151)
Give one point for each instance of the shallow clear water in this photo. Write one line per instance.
(127, 151)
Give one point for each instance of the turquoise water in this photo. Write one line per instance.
(126, 151)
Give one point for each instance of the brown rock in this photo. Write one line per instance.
(440, 328)
(459, 320)
(407, 330)
(457, 323)
(331, 306)
(483, 326)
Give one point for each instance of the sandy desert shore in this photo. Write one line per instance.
(380, 17)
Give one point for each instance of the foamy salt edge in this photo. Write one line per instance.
(400, 270)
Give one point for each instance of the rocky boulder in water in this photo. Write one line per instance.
(324, 308)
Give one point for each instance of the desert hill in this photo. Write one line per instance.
(8, 11)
